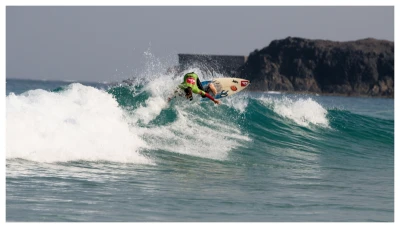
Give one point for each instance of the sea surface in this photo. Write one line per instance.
(94, 152)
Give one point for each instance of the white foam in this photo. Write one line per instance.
(238, 102)
(159, 91)
(274, 92)
(194, 135)
(184, 138)
(80, 123)
(302, 111)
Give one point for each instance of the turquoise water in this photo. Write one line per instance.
(93, 153)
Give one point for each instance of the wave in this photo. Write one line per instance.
(126, 121)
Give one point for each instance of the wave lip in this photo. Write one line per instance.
(302, 111)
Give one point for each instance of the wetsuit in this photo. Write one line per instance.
(192, 80)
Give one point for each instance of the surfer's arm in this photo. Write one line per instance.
(209, 97)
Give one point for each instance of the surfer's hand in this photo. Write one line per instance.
(217, 102)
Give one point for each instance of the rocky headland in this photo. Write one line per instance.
(355, 68)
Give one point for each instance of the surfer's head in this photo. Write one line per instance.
(188, 93)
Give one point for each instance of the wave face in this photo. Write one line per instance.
(289, 154)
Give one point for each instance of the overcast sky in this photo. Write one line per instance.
(108, 43)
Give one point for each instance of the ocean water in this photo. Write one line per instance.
(92, 152)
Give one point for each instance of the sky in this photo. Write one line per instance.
(112, 43)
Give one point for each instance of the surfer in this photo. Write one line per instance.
(191, 84)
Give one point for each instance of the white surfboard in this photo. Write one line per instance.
(227, 86)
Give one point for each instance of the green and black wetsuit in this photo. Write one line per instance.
(192, 80)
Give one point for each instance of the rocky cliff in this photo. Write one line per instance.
(362, 67)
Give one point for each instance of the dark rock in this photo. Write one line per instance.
(362, 67)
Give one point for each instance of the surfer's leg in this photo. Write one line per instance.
(213, 89)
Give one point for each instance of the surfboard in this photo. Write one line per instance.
(226, 86)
